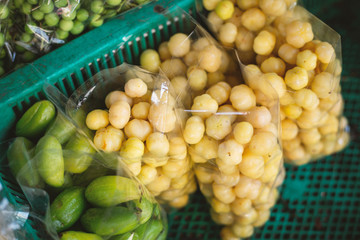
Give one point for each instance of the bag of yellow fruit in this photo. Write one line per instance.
(300, 57)
(231, 130)
(233, 137)
(135, 114)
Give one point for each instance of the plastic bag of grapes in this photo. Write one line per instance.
(33, 28)
(5, 48)
(135, 113)
(100, 10)
(44, 24)
(300, 56)
(231, 131)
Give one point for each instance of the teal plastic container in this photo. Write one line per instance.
(318, 201)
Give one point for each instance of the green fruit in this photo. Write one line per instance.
(60, 34)
(110, 191)
(66, 25)
(69, 16)
(35, 120)
(8, 36)
(32, 2)
(163, 234)
(51, 19)
(94, 171)
(109, 221)
(143, 208)
(61, 3)
(26, 8)
(2, 39)
(67, 208)
(61, 128)
(113, 2)
(30, 27)
(78, 154)
(26, 37)
(150, 230)
(4, 11)
(126, 236)
(97, 6)
(28, 56)
(18, 3)
(77, 28)
(96, 21)
(68, 182)
(19, 49)
(82, 15)
(50, 161)
(109, 13)
(2, 53)
(46, 6)
(20, 157)
(37, 15)
(76, 235)
(79, 117)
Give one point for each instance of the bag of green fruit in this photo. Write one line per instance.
(71, 189)
(136, 115)
(300, 56)
(101, 10)
(6, 52)
(232, 132)
(43, 25)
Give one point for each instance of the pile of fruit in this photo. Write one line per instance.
(31, 28)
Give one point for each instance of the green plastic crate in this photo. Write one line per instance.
(318, 201)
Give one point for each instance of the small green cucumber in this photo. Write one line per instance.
(110, 191)
(67, 208)
(109, 221)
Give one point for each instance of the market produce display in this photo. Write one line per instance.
(131, 138)
(300, 57)
(32, 28)
(88, 200)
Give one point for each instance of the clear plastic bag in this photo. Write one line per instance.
(47, 23)
(305, 53)
(33, 28)
(135, 113)
(232, 132)
(5, 47)
(12, 218)
(73, 191)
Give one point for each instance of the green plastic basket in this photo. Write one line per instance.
(318, 201)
